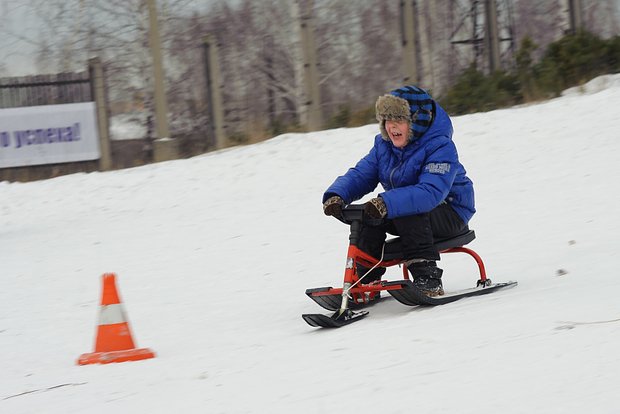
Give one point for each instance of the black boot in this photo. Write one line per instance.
(426, 277)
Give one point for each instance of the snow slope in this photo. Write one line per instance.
(213, 255)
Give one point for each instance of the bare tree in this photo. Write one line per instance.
(359, 51)
(602, 17)
(543, 22)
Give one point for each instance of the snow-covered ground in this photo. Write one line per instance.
(213, 255)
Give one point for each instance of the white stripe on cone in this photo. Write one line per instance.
(112, 314)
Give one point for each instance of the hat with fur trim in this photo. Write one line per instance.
(409, 103)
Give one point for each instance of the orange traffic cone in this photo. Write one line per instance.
(114, 342)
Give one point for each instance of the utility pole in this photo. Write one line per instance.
(165, 148)
(408, 36)
(214, 93)
(433, 18)
(492, 35)
(310, 66)
(424, 17)
(575, 12)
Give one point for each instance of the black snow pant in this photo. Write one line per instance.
(417, 234)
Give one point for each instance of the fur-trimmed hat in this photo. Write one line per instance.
(409, 103)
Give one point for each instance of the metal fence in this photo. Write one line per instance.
(53, 89)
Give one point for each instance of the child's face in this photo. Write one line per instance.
(398, 132)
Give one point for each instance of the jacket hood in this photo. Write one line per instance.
(409, 103)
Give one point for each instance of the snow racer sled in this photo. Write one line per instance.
(347, 302)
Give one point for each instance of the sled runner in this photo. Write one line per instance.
(347, 301)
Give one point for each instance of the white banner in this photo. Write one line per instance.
(48, 134)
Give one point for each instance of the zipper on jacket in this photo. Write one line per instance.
(400, 162)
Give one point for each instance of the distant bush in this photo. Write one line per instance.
(363, 117)
(613, 54)
(525, 70)
(570, 61)
(347, 118)
(475, 92)
(237, 138)
(341, 118)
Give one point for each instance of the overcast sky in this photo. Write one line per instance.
(17, 27)
(19, 30)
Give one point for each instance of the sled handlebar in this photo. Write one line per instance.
(355, 212)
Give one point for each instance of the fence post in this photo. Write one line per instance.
(98, 93)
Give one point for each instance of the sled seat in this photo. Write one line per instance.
(393, 247)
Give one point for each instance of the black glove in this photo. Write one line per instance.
(333, 206)
(375, 208)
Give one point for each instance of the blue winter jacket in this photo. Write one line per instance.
(416, 178)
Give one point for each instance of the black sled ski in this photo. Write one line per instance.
(410, 295)
(335, 321)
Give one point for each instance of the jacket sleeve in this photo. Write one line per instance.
(433, 185)
(357, 181)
